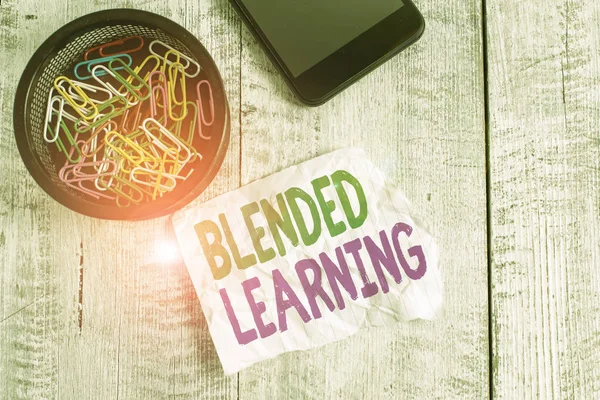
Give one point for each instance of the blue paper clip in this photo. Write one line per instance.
(97, 61)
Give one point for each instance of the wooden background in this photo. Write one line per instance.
(489, 124)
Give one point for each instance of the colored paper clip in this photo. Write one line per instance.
(75, 170)
(69, 87)
(141, 69)
(90, 147)
(118, 190)
(65, 113)
(71, 140)
(91, 63)
(90, 192)
(131, 120)
(176, 168)
(156, 180)
(136, 40)
(176, 56)
(149, 148)
(138, 137)
(177, 126)
(211, 103)
(92, 89)
(129, 82)
(139, 154)
(133, 189)
(162, 174)
(176, 71)
(188, 62)
(106, 112)
(85, 108)
(161, 88)
(108, 156)
(146, 126)
(189, 138)
(50, 111)
(101, 70)
(99, 169)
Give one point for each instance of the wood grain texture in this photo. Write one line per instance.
(544, 97)
(420, 117)
(38, 250)
(134, 327)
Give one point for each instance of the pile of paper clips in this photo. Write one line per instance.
(126, 131)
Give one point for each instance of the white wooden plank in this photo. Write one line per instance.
(421, 119)
(142, 333)
(544, 76)
(39, 252)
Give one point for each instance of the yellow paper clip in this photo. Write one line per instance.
(144, 71)
(139, 154)
(92, 89)
(118, 189)
(156, 179)
(107, 111)
(175, 59)
(85, 107)
(163, 144)
(176, 71)
(159, 89)
(133, 83)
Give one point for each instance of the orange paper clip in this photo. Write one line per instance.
(124, 46)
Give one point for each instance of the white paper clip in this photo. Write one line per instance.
(108, 85)
(185, 60)
(50, 111)
(180, 145)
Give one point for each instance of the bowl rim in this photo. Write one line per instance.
(57, 41)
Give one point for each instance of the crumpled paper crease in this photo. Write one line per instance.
(410, 298)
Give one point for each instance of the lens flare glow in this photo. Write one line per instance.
(167, 252)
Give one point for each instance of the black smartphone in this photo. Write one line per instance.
(323, 46)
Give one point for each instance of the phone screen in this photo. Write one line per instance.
(305, 32)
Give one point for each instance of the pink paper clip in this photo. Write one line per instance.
(211, 103)
(71, 174)
(75, 170)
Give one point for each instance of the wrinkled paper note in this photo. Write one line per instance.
(307, 256)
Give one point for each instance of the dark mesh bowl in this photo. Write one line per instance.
(58, 53)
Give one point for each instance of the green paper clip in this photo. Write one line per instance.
(91, 63)
(71, 140)
(100, 119)
(129, 85)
